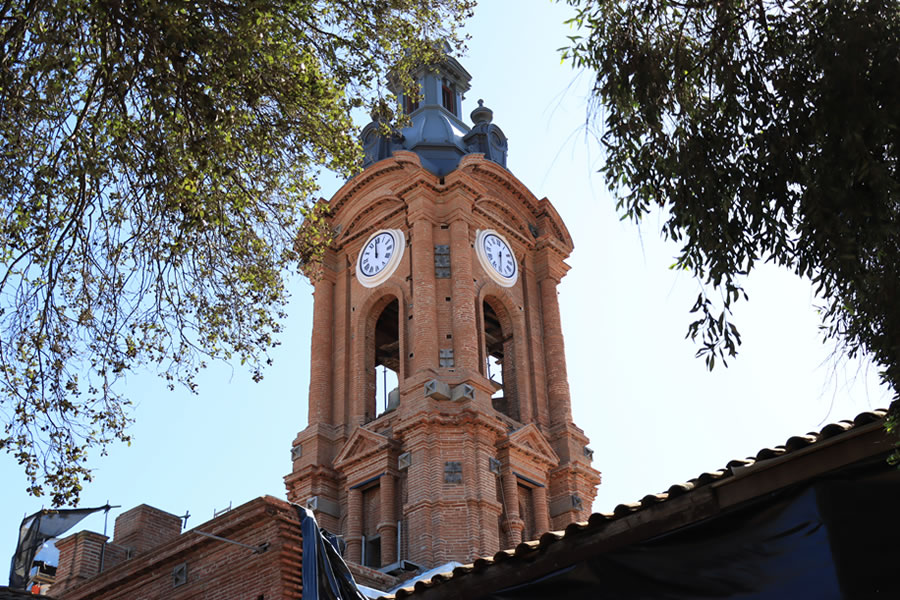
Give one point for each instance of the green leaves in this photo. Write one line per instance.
(157, 160)
(764, 131)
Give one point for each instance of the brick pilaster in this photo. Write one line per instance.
(354, 525)
(465, 328)
(541, 509)
(387, 528)
(424, 337)
(555, 355)
(321, 352)
(514, 523)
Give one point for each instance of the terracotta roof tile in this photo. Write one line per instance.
(767, 453)
(599, 520)
(834, 429)
(679, 488)
(651, 499)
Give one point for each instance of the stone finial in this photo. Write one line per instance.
(482, 114)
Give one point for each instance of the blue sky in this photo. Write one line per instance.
(654, 415)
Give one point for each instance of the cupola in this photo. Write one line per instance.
(437, 133)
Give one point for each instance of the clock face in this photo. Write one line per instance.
(497, 257)
(379, 257)
(377, 253)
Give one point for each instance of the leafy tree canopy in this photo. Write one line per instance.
(156, 160)
(765, 130)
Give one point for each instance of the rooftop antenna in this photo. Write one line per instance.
(106, 510)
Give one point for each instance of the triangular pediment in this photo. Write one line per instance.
(362, 443)
(530, 440)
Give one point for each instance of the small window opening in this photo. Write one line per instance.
(371, 515)
(383, 374)
(495, 374)
(499, 360)
(526, 512)
(387, 394)
(373, 552)
(409, 104)
(448, 96)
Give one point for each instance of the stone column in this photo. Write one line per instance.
(387, 528)
(555, 355)
(541, 510)
(465, 328)
(321, 351)
(354, 525)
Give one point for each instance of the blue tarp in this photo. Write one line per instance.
(325, 574)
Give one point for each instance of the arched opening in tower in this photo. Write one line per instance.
(500, 365)
(383, 374)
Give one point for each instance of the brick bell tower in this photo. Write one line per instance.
(443, 275)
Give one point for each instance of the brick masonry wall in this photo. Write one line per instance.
(79, 558)
(215, 570)
(442, 520)
(143, 528)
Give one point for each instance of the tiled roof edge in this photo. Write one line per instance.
(528, 550)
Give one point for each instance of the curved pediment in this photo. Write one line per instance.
(368, 216)
(505, 218)
(384, 178)
(505, 199)
(551, 222)
(490, 174)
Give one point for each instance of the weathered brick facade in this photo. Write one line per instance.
(150, 559)
(459, 464)
(448, 473)
(256, 554)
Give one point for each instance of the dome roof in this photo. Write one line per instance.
(437, 132)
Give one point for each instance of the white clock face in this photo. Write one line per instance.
(379, 257)
(497, 257)
(376, 255)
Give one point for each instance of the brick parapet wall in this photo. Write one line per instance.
(144, 528)
(79, 559)
(216, 570)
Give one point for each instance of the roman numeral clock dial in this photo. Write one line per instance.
(496, 257)
(380, 256)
